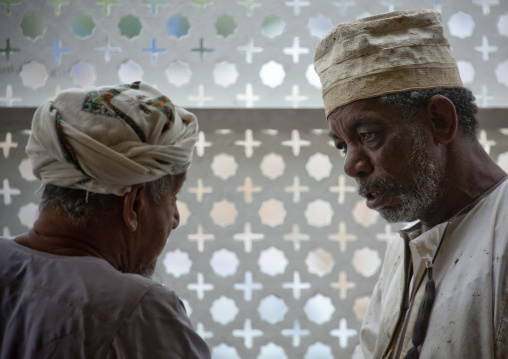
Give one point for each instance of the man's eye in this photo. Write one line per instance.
(367, 136)
(342, 147)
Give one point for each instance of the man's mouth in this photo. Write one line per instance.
(375, 196)
(372, 195)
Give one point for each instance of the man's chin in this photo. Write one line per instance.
(147, 272)
(155, 274)
(391, 215)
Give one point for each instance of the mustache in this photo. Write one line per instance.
(366, 186)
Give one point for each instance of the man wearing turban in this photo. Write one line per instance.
(396, 107)
(111, 161)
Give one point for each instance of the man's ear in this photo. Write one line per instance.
(133, 203)
(443, 118)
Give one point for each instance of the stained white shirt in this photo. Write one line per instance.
(469, 318)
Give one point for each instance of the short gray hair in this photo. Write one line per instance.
(82, 207)
(410, 102)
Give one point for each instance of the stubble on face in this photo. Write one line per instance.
(423, 194)
(155, 274)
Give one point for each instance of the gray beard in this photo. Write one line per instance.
(423, 195)
(156, 274)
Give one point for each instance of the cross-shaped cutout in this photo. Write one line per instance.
(296, 237)
(343, 285)
(7, 192)
(295, 51)
(248, 189)
(107, 50)
(296, 142)
(154, 51)
(248, 143)
(342, 237)
(296, 285)
(200, 286)
(9, 99)
(247, 237)
(343, 333)
(247, 333)
(341, 189)
(248, 96)
(8, 144)
(200, 190)
(249, 50)
(296, 5)
(343, 5)
(201, 238)
(248, 286)
(296, 333)
(296, 189)
(485, 48)
(200, 98)
(201, 144)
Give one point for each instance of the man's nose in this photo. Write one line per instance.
(357, 163)
(176, 218)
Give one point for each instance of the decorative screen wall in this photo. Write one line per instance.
(227, 53)
(276, 255)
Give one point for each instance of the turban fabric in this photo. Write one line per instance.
(106, 139)
(388, 53)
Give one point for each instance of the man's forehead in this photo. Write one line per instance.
(354, 109)
(361, 113)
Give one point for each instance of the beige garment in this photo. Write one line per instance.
(469, 318)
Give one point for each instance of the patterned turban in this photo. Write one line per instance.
(383, 54)
(106, 139)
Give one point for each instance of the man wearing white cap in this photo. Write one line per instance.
(396, 107)
(112, 161)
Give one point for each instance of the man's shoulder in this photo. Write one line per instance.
(128, 290)
(5, 242)
(159, 296)
(491, 202)
(84, 282)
